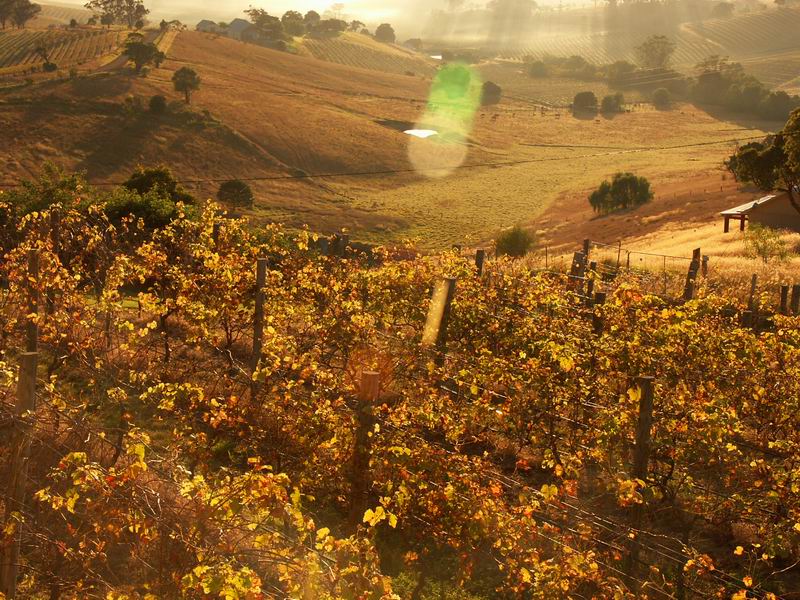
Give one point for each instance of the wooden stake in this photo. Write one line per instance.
(751, 302)
(480, 260)
(360, 481)
(784, 299)
(795, 304)
(55, 239)
(258, 315)
(32, 326)
(15, 502)
(435, 332)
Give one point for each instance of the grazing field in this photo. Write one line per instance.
(357, 50)
(66, 47)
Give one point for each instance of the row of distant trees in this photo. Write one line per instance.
(17, 13)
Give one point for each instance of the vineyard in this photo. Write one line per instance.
(58, 14)
(204, 410)
(66, 47)
(356, 50)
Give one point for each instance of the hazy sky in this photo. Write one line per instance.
(405, 13)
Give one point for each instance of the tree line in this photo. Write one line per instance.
(17, 13)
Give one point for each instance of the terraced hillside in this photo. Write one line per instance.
(59, 14)
(66, 47)
(357, 50)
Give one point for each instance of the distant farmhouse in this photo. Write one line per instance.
(237, 28)
(207, 26)
(774, 211)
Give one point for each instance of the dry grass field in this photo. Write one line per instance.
(296, 116)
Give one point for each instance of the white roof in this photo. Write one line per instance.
(746, 208)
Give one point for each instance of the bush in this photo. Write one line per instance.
(158, 105)
(613, 103)
(585, 101)
(491, 94)
(765, 243)
(236, 193)
(538, 69)
(515, 242)
(49, 67)
(159, 179)
(155, 208)
(662, 98)
(624, 191)
(385, 33)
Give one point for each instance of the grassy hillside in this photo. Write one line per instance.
(60, 14)
(357, 50)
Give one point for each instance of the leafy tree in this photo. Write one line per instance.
(330, 27)
(385, 33)
(515, 242)
(585, 101)
(123, 12)
(355, 26)
(73, 23)
(158, 179)
(23, 11)
(107, 19)
(618, 71)
(491, 93)
(154, 207)
(613, 103)
(53, 186)
(236, 193)
(142, 53)
(293, 23)
(662, 98)
(186, 80)
(312, 19)
(158, 104)
(538, 69)
(270, 27)
(6, 7)
(625, 190)
(765, 243)
(656, 52)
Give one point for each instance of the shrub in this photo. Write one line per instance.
(236, 193)
(765, 243)
(538, 69)
(613, 103)
(385, 33)
(491, 94)
(515, 242)
(155, 208)
(159, 179)
(662, 98)
(585, 101)
(49, 67)
(624, 191)
(158, 105)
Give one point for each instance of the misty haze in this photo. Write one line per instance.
(400, 300)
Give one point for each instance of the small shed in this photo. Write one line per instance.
(775, 210)
(237, 27)
(209, 27)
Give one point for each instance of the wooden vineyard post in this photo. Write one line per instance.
(619, 256)
(368, 393)
(784, 300)
(795, 304)
(215, 232)
(597, 319)
(641, 462)
(55, 239)
(31, 325)
(704, 267)
(258, 318)
(691, 277)
(751, 301)
(25, 404)
(435, 332)
(587, 248)
(15, 500)
(480, 260)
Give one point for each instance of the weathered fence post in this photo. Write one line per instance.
(587, 248)
(795, 304)
(751, 301)
(784, 299)
(258, 317)
(641, 460)
(691, 277)
(619, 256)
(704, 269)
(480, 260)
(215, 232)
(368, 393)
(15, 500)
(32, 325)
(435, 332)
(598, 324)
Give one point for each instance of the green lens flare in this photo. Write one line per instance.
(454, 99)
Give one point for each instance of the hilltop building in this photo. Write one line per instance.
(237, 28)
(774, 211)
(207, 26)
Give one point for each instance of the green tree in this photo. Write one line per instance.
(293, 23)
(538, 69)
(662, 98)
(23, 11)
(236, 193)
(6, 7)
(159, 179)
(385, 33)
(312, 19)
(515, 242)
(491, 93)
(765, 243)
(585, 101)
(53, 186)
(142, 53)
(154, 207)
(625, 190)
(158, 104)
(186, 80)
(613, 103)
(656, 52)
(356, 26)
(123, 12)
(271, 28)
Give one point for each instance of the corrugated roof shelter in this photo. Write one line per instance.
(774, 211)
(237, 27)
